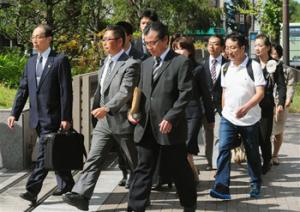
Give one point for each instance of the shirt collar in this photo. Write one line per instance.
(128, 50)
(45, 54)
(243, 64)
(219, 59)
(164, 54)
(116, 56)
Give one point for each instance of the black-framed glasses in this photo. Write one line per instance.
(37, 37)
(151, 43)
(108, 39)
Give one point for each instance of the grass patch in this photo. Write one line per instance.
(7, 96)
(295, 106)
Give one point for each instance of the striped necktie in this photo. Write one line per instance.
(213, 71)
(155, 68)
(39, 70)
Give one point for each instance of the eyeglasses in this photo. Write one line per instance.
(151, 43)
(38, 37)
(108, 39)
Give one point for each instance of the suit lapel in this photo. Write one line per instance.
(209, 80)
(165, 64)
(47, 68)
(32, 70)
(121, 61)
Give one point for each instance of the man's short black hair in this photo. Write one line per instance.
(118, 32)
(47, 28)
(151, 14)
(158, 27)
(126, 26)
(220, 37)
(241, 39)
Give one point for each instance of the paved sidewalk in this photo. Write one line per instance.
(280, 191)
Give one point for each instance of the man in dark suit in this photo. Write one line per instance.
(117, 79)
(212, 66)
(128, 47)
(166, 88)
(147, 17)
(135, 54)
(47, 82)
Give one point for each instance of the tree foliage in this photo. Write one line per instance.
(267, 12)
(294, 11)
(77, 23)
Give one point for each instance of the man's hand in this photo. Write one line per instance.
(11, 121)
(65, 125)
(165, 127)
(288, 103)
(132, 120)
(279, 109)
(242, 111)
(99, 113)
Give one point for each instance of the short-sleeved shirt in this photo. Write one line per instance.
(239, 88)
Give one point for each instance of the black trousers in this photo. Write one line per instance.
(35, 181)
(175, 156)
(266, 126)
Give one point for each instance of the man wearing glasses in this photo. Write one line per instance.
(47, 82)
(117, 79)
(166, 89)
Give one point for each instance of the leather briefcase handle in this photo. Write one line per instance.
(69, 132)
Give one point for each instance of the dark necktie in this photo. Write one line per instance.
(108, 72)
(39, 70)
(157, 61)
(213, 71)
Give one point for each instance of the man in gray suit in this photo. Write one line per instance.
(112, 101)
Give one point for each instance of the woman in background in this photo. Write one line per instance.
(201, 97)
(273, 73)
(279, 119)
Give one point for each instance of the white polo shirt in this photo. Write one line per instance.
(239, 88)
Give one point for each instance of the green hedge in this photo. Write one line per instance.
(12, 63)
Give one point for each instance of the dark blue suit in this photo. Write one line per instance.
(50, 103)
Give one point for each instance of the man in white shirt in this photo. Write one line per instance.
(240, 115)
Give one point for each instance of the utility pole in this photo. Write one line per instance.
(286, 32)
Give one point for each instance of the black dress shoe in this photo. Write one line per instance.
(266, 167)
(29, 197)
(123, 182)
(77, 200)
(189, 209)
(60, 192)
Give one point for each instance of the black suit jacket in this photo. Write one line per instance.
(267, 103)
(135, 54)
(138, 45)
(51, 101)
(216, 89)
(201, 95)
(165, 98)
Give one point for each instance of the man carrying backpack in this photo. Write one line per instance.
(240, 115)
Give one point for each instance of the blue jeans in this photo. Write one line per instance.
(249, 135)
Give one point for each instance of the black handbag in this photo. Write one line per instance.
(64, 150)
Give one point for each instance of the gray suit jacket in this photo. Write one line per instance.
(118, 93)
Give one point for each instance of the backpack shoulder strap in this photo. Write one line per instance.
(249, 69)
(225, 68)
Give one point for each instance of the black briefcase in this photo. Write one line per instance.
(64, 150)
